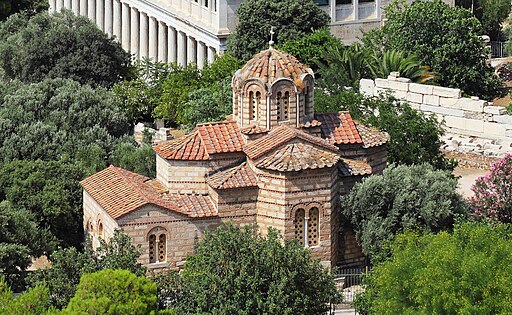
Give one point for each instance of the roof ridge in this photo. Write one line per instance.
(232, 173)
(132, 184)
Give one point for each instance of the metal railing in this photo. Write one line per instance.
(350, 282)
(498, 49)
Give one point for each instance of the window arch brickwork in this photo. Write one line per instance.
(307, 225)
(157, 249)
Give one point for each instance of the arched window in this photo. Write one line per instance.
(307, 226)
(254, 104)
(100, 229)
(283, 105)
(307, 101)
(157, 245)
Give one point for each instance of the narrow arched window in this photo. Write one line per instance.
(279, 103)
(161, 248)
(313, 227)
(152, 248)
(299, 223)
(286, 105)
(157, 240)
(253, 105)
(307, 102)
(100, 230)
(256, 106)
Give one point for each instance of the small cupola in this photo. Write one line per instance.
(273, 88)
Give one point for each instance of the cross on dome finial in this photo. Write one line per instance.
(271, 42)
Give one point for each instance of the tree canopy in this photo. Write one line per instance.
(464, 272)
(60, 45)
(252, 275)
(404, 197)
(292, 19)
(29, 7)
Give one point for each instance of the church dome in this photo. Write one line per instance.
(271, 65)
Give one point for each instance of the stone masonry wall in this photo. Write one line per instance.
(471, 125)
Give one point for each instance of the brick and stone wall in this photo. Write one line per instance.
(471, 124)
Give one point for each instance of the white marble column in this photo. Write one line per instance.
(68, 4)
(201, 52)
(53, 6)
(91, 10)
(116, 20)
(333, 10)
(211, 55)
(100, 14)
(171, 45)
(59, 5)
(83, 7)
(191, 50)
(144, 30)
(75, 6)
(134, 31)
(355, 3)
(108, 17)
(126, 23)
(153, 38)
(378, 10)
(182, 49)
(162, 42)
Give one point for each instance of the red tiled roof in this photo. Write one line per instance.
(205, 140)
(236, 177)
(371, 136)
(339, 128)
(253, 130)
(350, 167)
(298, 156)
(270, 65)
(279, 136)
(120, 192)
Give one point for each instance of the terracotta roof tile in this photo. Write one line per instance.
(350, 167)
(279, 136)
(371, 136)
(194, 205)
(339, 128)
(205, 140)
(119, 191)
(298, 156)
(253, 130)
(236, 177)
(270, 65)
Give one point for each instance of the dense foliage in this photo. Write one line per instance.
(292, 19)
(29, 7)
(251, 275)
(69, 264)
(32, 302)
(404, 197)
(60, 45)
(491, 13)
(492, 197)
(464, 272)
(444, 38)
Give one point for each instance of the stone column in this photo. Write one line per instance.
(53, 6)
(171, 45)
(134, 32)
(333, 10)
(377, 10)
(143, 46)
(108, 17)
(153, 38)
(201, 52)
(191, 50)
(162, 42)
(83, 7)
(91, 10)
(355, 3)
(59, 5)
(182, 49)
(116, 20)
(126, 23)
(100, 14)
(211, 55)
(68, 4)
(75, 5)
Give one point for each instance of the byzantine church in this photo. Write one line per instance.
(273, 163)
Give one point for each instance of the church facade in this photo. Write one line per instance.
(273, 163)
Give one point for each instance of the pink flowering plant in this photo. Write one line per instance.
(493, 193)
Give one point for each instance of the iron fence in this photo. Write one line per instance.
(350, 282)
(498, 50)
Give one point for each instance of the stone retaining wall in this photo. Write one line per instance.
(471, 124)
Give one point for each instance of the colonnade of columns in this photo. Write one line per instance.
(140, 33)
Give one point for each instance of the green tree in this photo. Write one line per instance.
(29, 7)
(463, 272)
(490, 13)
(60, 45)
(113, 292)
(404, 197)
(32, 302)
(138, 159)
(69, 264)
(250, 274)
(292, 19)
(444, 38)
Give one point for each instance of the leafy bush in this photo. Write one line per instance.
(404, 197)
(446, 39)
(292, 19)
(492, 197)
(32, 302)
(464, 272)
(249, 275)
(60, 45)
